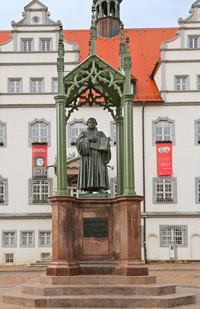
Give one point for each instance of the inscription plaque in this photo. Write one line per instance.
(95, 227)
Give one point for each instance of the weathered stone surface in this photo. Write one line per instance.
(97, 292)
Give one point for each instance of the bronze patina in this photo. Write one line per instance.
(94, 149)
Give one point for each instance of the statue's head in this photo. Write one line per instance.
(91, 122)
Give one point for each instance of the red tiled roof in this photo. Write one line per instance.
(4, 36)
(145, 53)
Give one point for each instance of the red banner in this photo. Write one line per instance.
(164, 159)
(39, 161)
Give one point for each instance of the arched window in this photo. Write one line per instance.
(173, 234)
(112, 8)
(3, 191)
(74, 129)
(163, 129)
(39, 132)
(3, 134)
(104, 8)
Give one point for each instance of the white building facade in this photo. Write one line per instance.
(28, 84)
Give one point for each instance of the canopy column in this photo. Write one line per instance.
(129, 179)
(120, 154)
(61, 145)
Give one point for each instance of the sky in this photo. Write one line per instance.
(76, 14)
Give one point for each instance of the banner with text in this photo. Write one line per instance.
(39, 161)
(164, 159)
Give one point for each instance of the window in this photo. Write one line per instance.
(40, 190)
(197, 190)
(45, 255)
(35, 19)
(27, 45)
(74, 129)
(197, 132)
(193, 42)
(164, 190)
(3, 191)
(181, 83)
(163, 129)
(44, 238)
(39, 132)
(173, 234)
(9, 258)
(37, 85)
(3, 134)
(9, 239)
(54, 85)
(27, 239)
(45, 44)
(14, 85)
(113, 133)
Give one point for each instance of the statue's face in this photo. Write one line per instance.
(91, 124)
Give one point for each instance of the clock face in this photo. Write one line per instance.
(35, 19)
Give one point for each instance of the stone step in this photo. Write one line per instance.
(126, 289)
(97, 301)
(102, 280)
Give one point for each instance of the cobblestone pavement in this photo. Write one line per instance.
(186, 276)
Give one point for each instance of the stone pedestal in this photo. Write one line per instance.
(96, 236)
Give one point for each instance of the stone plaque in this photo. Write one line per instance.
(95, 227)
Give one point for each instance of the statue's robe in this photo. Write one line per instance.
(93, 173)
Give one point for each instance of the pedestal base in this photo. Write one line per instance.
(129, 268)
(62, 269)
(96, 236)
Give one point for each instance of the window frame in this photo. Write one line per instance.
(186, 77)
(15, 239)
(52, 84)
(39, 238)
(41, 40)
(5, 181)
(4, 125)
(21, 239)
(193, 37)
(11, 253)
(70, 124)
(184, 231)
(196, 125)
(13, 79)
(174, 190)
(23, 40)
(30, 190)
(197, 190)
(30, 132)
(172, 130)
(37, 79)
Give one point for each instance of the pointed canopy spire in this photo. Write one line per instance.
(122, 48)
(93, 33)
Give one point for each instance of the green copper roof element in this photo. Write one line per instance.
(127, 68)
(94, 81)
(61, 52)
(122, 49)
(93, 33)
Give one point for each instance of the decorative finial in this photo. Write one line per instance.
(93, 32)
(61, 52)
(122, 48)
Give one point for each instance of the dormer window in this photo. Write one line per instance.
(193, 41)
(45, 44)
(27, 45)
